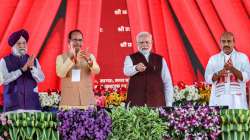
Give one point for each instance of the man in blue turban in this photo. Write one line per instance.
(20, 75)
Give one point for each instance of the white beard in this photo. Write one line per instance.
(144, 52)
(18, 52)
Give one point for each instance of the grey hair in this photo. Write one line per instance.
(141, 34)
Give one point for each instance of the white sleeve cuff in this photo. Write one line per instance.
(134, 69)
(209, 78)
(245, 76)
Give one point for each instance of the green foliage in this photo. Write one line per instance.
(136, 123)
(29, 126)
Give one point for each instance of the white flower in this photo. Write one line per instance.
(49, 100)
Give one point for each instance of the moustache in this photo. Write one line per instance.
(225, 47)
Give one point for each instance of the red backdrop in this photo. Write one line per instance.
(186, 33)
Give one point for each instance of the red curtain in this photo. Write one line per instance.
(235, 19)
(48, 57)
(155, 17)
(34, 15)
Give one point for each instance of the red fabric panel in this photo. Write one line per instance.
(48, 57)
(200, 77)
(110, 53)
(38, 22)
(213, 21)
(70, 20)
(235, 20)
(181, 67)
(138, 18)
(195, 29)
(7, 8)
(246, 4)
(157, 24)
(16, 22)
(89, 17)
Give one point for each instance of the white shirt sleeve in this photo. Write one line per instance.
(245, 69)
(7, 76)
(37, 72)
(209, 72)
(167, 82)
(129, 69)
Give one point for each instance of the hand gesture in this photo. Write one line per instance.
(229, 65)
(31, 61)
(73, 52)
(219, 74)
(222, 73)
(84, 54)
(28, 64)
(140, 67)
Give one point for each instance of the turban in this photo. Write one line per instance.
(14, 37)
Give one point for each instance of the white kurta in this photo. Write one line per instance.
(228, 97)
(129, 70)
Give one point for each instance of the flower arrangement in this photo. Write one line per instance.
(184, 94)
(50, 98)
(136, 123)
(109, 97)
(77, 124)
(204, 91)
(4, 122)
(192, 123)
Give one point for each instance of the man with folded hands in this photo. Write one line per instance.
(20, 75)
(228, 72)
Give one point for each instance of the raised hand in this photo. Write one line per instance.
(31, 61)
(219, 74)
(228, 65)
(84, 54)
(28, 64)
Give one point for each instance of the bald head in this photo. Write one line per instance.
(227, 42)
(227, 34)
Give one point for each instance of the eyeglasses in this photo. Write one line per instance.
(75, 40)
(142, 42)
(21, 43)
